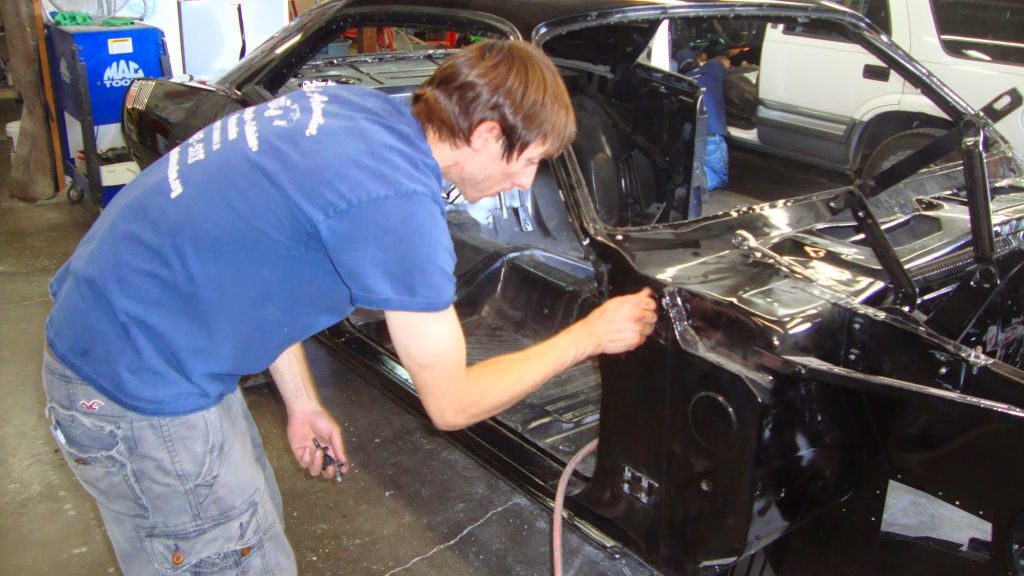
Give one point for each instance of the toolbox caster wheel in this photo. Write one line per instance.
(75, 196)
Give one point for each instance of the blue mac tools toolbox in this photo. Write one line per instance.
(91, 68)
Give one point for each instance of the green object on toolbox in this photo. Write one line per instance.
(72, 19)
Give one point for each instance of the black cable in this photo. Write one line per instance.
(241, 30)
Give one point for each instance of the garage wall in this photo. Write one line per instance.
(212, 39)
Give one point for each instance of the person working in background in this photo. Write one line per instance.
(715, 53)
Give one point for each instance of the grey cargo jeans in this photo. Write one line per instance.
(190, 494)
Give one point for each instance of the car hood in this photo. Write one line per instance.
(780, 260)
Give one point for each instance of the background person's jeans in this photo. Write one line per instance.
(716, 162)
(189, 494)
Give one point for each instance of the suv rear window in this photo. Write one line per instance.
(987, 30)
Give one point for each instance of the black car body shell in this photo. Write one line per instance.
(784, 394)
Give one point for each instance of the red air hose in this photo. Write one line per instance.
(556, 518)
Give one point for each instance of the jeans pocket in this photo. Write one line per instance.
(97, 453)
(229, 543)
(193, 444)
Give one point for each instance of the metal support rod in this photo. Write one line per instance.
(902, 283)
(181, 38)
(979, 203)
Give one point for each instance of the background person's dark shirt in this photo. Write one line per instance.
(711, 77)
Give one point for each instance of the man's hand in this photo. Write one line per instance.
(305, 424)
(307, 419)
(620, 324)
(433, 349)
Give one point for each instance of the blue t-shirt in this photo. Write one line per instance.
(266, 227)
(711, 77)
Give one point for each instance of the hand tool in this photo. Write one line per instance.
(329, 461)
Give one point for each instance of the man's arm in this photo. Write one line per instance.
(307, 419)
(432, 349)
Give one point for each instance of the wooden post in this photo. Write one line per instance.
(51, 108)
(32, 172)
(367, 40)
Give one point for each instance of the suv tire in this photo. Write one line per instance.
(899, 147)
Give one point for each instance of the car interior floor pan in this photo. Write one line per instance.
(561, 416)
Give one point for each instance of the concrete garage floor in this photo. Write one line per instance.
(414, 505)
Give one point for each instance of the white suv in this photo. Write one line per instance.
(824, 100)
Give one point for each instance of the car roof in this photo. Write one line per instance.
(533, 20)
(527, 15)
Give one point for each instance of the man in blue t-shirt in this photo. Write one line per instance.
(259, 231)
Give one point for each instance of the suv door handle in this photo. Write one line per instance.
(878, 73)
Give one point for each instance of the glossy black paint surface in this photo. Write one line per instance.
(791, 386)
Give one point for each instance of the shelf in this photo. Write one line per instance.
(8, 94)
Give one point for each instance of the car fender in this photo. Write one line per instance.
(872, 108)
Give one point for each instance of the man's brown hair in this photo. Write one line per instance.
(512, 83)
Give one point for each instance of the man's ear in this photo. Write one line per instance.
(486, 134)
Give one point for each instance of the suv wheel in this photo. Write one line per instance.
(899, 147)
